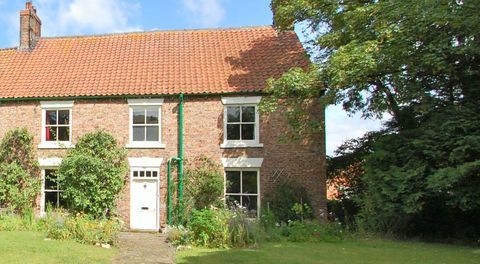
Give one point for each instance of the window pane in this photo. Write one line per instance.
(250, 202)
(248, 114)
(63, 117)
(139, 116)
(249, 181)
(248, 132)
(152, 115)
(142, 173)
(232, 200)
(154, 173)
(152, 133)
(233, 132)
(50, 180)
(63, 134)
(135, 173)
(51, 116)
(51, 199)
(138, 133)
(149, 174)
(233, 181)
(51, 133)
(233, 114)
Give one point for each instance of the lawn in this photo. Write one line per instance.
(31, 247)
(345, 252)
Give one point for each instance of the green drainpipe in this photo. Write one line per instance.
(179, 159)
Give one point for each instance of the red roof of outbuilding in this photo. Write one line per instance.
(150, 63)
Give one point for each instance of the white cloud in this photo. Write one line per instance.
(341, 127)
(205, 13)
(72, 17)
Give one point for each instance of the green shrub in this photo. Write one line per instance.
(209, 228)
(178, 235)
(204, 186)
(13, 222)
(82, 228)
(93, 174)
(281, 201)
(243, 231)
(19, 171)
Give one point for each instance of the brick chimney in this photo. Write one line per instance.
(30, 27)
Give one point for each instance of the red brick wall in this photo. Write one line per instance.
(203, 135)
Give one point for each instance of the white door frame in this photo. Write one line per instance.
(152, 164)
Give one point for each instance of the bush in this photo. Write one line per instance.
(19, 171)
(178, 235)
(243, 231)
(82, 228)
(283, 199)
(93, 174)
(209, 228)
(204, 184)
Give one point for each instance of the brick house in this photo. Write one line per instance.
(130, 85)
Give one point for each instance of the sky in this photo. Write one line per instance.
(85, 17)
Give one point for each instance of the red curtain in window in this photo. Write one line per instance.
(47, 133)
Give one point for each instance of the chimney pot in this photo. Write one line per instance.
(30, 27)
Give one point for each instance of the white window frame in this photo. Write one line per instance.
(56, 105)
(146, 164)
(46, 164)
(143, 103)
(242, 101)
(243, 164)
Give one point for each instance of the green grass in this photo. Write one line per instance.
(360, 251)
(31, 247)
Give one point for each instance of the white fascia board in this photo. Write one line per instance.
(49, 162)
(145, 102)
(145, 162)
(241, 100)
(56, 104)
(242, 162)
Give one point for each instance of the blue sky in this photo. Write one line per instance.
(77, 17)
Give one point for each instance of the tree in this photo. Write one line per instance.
(402, 57)
(93, 174)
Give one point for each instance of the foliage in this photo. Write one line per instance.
(393, 56)
(425, 181)
(19, 171)
(310, 231)
(243, 231)
(209, 228)
(281, 201)
(93, 174)
(178, 235)
(204, 184)
(82, 228)
(14, 222)
(343, 211)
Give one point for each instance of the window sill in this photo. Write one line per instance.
(241, 145)
(56, 145)
(145, 145)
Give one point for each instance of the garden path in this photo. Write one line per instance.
(144, 248)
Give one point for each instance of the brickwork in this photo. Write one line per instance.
(203, 135)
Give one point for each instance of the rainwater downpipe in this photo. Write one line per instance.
(178, 159)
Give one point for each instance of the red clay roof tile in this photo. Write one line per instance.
(150, 63)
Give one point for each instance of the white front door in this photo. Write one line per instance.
(144, 200)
